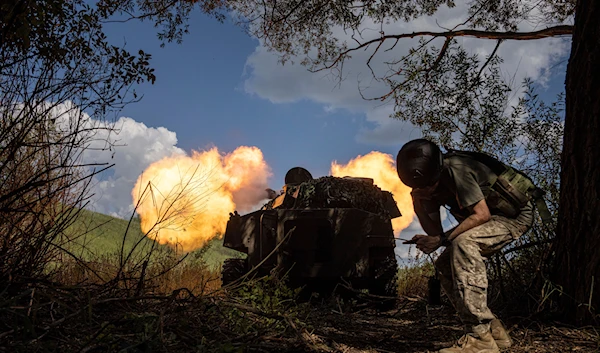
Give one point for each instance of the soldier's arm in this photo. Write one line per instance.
(480, 213)
(470, 196)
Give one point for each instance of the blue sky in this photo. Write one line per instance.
(199, 94)
(221, 88)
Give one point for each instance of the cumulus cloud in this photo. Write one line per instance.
(130, 145)
(386, 131)
(136, 147)
(292, 83)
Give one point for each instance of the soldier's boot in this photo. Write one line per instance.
(480, 342)
(500, 334)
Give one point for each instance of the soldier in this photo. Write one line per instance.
(294, 176)
(297, 175)
(488, 220)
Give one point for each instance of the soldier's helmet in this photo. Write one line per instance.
(419, 163)
(297, 175)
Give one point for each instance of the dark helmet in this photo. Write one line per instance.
(297, 175)
(419, 163)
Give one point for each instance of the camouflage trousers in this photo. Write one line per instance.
(462, 270)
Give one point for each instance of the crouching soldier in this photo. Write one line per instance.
(492, 203)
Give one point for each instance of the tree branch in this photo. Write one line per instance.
(488, 60)
(544, 33)
(439, 58)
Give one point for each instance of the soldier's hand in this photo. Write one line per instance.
(428, 244)
(419, 236)
(414, 239)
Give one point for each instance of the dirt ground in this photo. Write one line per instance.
(221, 324)
(415, 327)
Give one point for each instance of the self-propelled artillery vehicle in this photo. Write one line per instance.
(319, 233)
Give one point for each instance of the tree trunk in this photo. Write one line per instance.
(578, 238)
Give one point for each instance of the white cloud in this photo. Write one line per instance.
(386, 131)
(292, 83)
(130, 145)
(136, 146)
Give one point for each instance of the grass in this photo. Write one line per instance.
(98, 235)
(101, 236)
(157, 306)
(412, 279)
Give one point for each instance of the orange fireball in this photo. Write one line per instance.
(185, 201)
(380, 167)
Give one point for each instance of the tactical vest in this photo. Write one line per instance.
(513, 186)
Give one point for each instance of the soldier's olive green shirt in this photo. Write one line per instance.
(465, 182)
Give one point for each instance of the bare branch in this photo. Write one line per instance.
(544, 33)
(371, 57)
(487, 62)
(439, 57)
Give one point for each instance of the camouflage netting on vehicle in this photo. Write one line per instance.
(334, 192)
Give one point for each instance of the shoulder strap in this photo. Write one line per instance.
(495, 165)
(498, 168)
(542, 207)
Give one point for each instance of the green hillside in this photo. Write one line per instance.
(96, 234)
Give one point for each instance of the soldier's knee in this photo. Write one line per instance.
(462, 240)
(463, 245)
